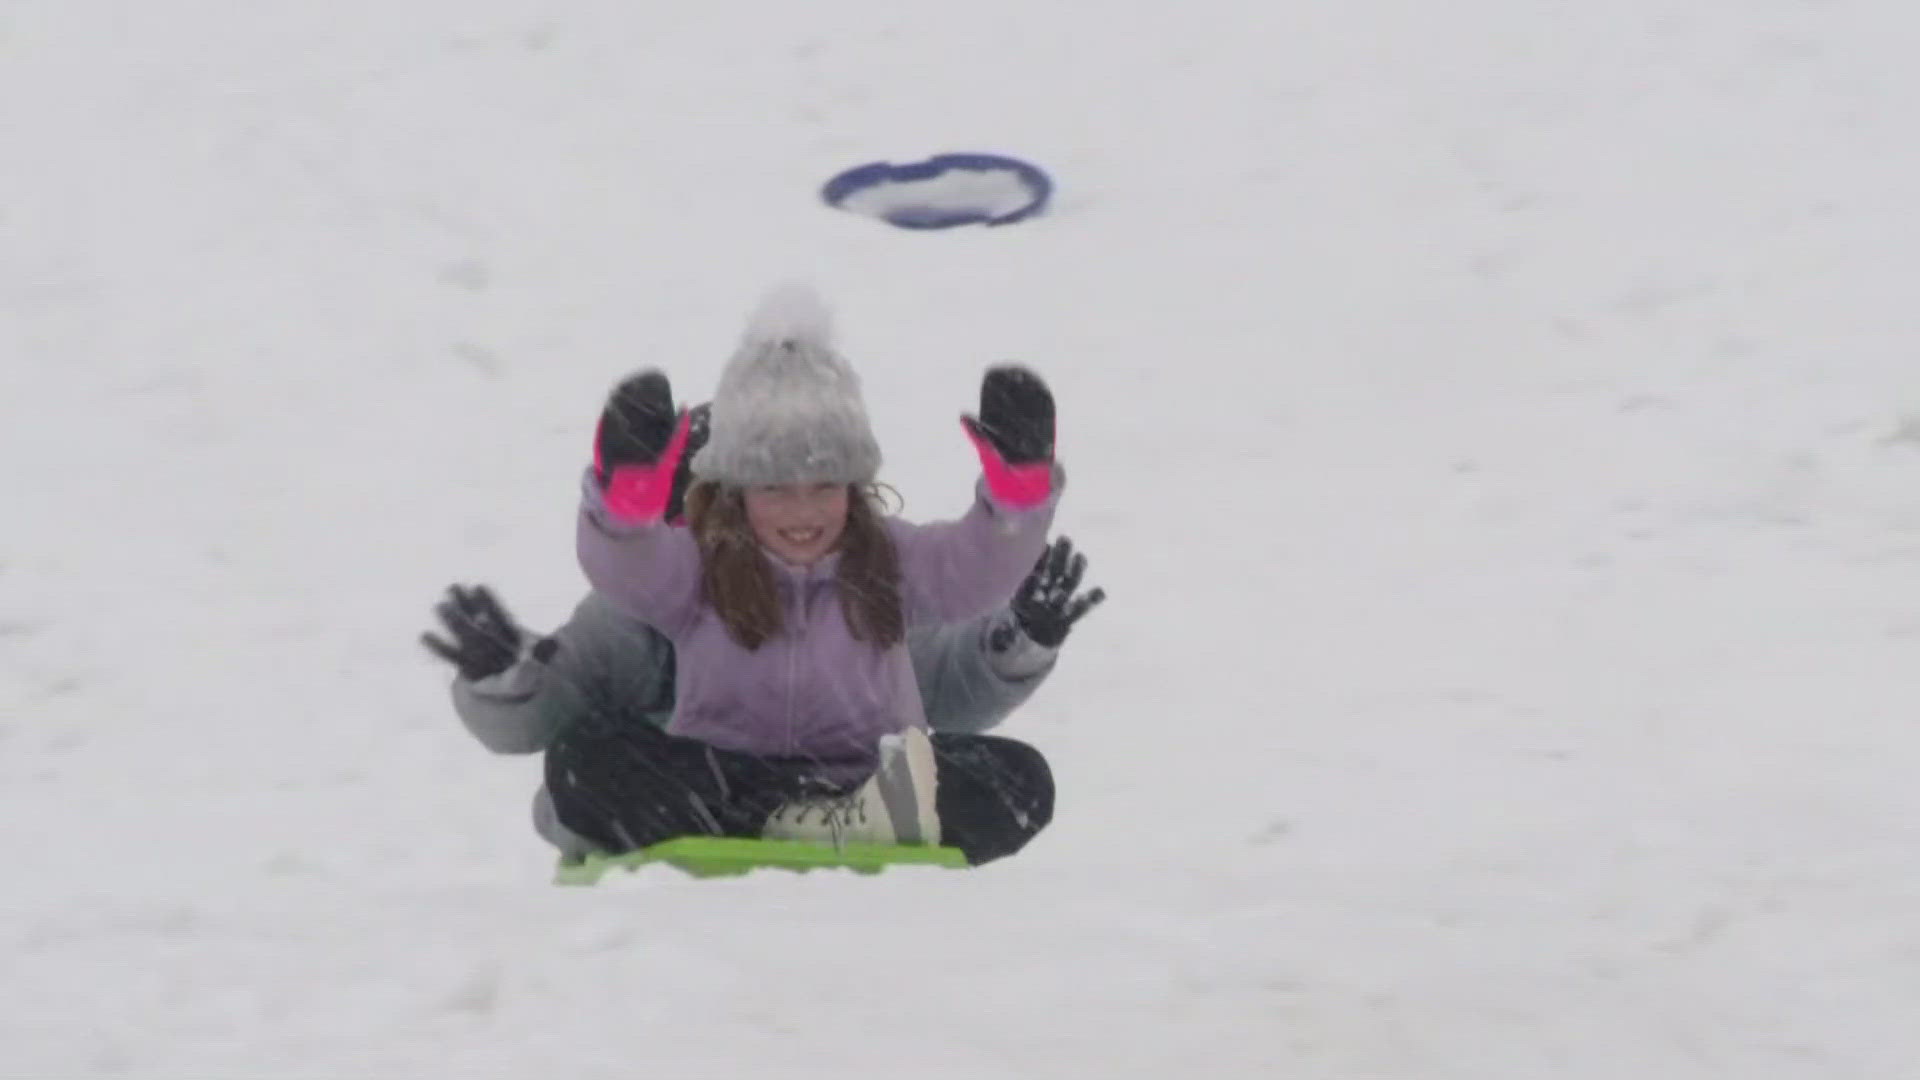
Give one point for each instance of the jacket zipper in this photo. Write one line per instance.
(793, 669)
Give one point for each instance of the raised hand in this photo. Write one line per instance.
(638, 424)
(1016, 415)
(1014, 436)
(486, 641)
(638, 446)
(1047, 605)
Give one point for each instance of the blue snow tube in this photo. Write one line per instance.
(944, 191)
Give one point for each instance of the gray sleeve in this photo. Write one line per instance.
(509, 712)
(967, 685)
(607, 662)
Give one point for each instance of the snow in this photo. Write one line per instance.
(995, 193)
(1494, 423)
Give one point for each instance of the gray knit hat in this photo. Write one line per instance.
(788, 410)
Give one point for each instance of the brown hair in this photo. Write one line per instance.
(736, 577)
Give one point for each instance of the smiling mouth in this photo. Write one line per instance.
(802, 537)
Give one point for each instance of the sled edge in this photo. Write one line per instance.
(725, 856)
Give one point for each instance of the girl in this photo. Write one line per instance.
(787, 599)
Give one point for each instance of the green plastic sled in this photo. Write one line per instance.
(726, 856)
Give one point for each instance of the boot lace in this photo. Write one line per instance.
(840, 813)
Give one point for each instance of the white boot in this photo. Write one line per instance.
(894, 806)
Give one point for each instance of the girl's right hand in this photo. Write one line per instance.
(638, 446)
(637, 425)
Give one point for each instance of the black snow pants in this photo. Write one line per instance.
(637, 786)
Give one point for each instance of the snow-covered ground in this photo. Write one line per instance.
(1497, 424)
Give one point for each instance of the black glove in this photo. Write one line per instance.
(485, 639)
(699, 426)
(636, 425)
(1016, 415)
(1045, 606)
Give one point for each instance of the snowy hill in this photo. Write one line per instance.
(1496, 424)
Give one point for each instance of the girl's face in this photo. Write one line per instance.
(798, 523)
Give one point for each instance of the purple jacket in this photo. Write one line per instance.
(813, 692)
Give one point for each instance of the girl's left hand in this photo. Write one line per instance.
(1016, 416)
(1014, 436)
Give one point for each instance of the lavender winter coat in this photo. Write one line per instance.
(814, 691)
